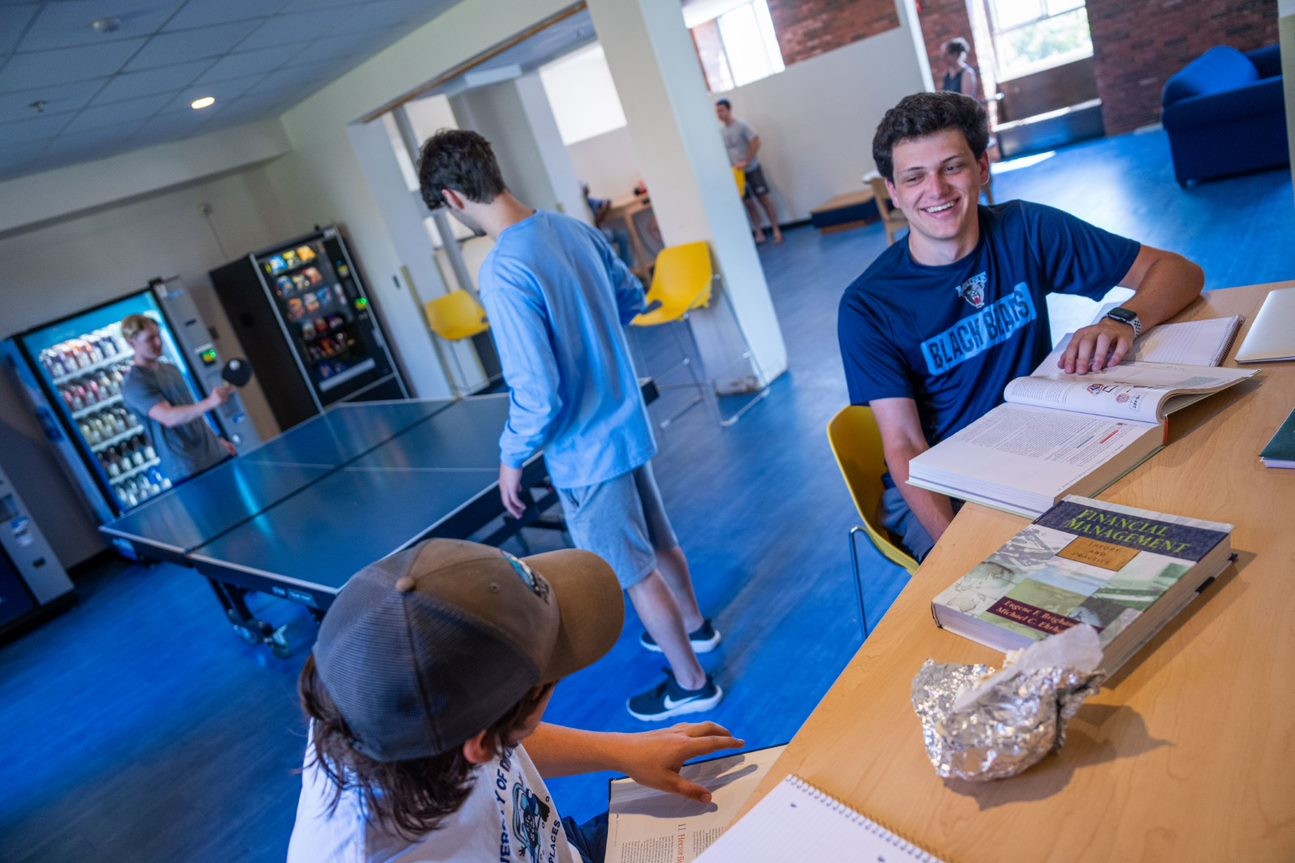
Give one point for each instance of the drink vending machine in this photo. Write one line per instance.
(72, 370)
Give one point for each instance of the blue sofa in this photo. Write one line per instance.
(1224, 114)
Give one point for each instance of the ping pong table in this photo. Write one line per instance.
(296, 517)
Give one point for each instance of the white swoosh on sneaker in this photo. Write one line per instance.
(671, 704)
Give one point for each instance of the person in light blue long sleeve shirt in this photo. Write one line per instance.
(559, 334)
(558, 299)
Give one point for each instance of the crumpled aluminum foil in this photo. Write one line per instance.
(981, 725)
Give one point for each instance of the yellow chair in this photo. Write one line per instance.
(893, 220)
(681, 282)
(856, 443)
(454, 317)
(740, 176)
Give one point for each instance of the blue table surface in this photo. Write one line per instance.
(334, 494)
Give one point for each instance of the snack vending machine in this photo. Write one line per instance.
(309, 329)
(72, 371)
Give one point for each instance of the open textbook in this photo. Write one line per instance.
(1060, 434)
(649, 826)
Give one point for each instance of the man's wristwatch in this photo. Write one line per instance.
(1127, 316)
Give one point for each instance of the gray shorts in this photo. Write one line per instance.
(622, 521)
(755, 183)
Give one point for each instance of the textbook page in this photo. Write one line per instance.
(1023, 459)
(649, 826)
(1189, 343)
(1145, 392)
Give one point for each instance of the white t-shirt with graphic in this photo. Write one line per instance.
(508, 816)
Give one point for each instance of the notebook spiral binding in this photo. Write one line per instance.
(882, 832)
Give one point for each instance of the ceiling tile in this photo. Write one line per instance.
(25, 71)
(290, 31)
(312, 5)
(197, 14)
(58, 100)
(13, 21)
(101, 116)
(91, 140)
(27, 131)
(407, 13)
(165, 49)
(246, 63)
(133, 85)
(223, 92)
(69, 23)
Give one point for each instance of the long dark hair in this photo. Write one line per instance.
(410, 798)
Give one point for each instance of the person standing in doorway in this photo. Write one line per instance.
(156, 391)
(743, 147)
(558, 298)
(961, 77)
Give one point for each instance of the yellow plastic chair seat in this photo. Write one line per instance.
(681, 282)
(456, 316)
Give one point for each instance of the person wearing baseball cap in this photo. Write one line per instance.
(430, 669)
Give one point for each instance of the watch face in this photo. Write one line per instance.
(1123, 315)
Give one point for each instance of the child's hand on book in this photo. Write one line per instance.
(653, 758)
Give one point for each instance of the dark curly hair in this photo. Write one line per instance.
(460, 160)
(410, 798)
(925, 114)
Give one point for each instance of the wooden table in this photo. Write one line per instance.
(1189, 754)
(625, 214)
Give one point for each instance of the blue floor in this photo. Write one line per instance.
(137, 727)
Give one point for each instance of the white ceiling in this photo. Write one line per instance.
(105, 93)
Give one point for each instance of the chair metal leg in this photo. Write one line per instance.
(858, 579)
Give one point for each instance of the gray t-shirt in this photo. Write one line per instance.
(737, 140)
(185, 449)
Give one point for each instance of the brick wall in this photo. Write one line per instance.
(807, 28)
(1137, 46)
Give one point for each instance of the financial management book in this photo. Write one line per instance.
(1125, 571)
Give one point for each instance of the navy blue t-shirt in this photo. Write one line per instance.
(951, 337)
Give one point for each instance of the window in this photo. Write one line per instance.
(735, 41)
(1032, 35)
(582, 95)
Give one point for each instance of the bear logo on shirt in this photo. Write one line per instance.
(973, 290)
(529, 817)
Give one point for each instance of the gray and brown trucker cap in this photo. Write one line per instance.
(426, 648)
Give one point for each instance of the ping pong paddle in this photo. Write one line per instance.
(237, 372)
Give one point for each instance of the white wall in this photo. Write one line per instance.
(68, 264)
(815, 121)
(607, 163)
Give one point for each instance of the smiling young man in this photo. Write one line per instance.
(933, 331)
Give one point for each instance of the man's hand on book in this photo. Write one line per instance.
(1093, 348)
(653, 758)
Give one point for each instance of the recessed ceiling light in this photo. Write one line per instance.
(204, 102)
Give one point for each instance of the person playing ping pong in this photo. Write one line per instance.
(157, 392)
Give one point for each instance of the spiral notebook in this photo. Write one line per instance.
(798, 822)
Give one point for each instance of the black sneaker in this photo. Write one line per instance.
(704, 639)
(669, 699)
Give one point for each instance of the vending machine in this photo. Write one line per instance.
(312, 338)
(72, 371)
